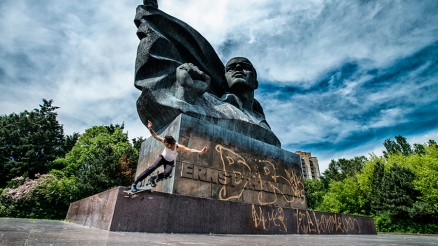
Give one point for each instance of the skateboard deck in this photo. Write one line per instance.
(134, 194)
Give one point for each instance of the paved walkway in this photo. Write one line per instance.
(48, 232)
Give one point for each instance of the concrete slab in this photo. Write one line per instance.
(47, 232)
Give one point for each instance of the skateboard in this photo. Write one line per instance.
(134, 194)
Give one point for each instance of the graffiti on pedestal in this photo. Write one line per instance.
(306, 222)
(311, 222)
(273, 218)
(238, 174)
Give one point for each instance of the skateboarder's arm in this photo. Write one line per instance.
(185, 149)
(153, 134)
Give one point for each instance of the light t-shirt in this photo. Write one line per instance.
(170, 155)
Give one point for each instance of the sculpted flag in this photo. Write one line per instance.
(165, 44)
(168, 46)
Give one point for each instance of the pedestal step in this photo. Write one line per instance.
(158, 212)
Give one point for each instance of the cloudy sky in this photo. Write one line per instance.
(336, 78)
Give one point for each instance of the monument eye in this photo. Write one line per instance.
(137, 23)
(141, 35)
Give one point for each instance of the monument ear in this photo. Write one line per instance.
(256, 84)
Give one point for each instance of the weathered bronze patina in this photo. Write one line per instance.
(178, 71)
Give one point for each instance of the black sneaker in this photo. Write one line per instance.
(134, 187)
(152, 181)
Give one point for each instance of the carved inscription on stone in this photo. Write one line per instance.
(238, 175)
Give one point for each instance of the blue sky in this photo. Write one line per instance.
(336, 78)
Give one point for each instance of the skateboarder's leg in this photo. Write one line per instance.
(167, 171)
(156, 164)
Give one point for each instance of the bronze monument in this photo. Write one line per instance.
(178, 71)
(244, 183)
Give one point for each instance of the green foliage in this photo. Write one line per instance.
(46, 197)
(399, 189)
(137, 142)
(344, 197)
(320, 193)
(31, 141)
(386, 223)
(375, 186)
(400, 146)
(344, 168)
(393, 191)
(425, 168)
(102, 158)
(315, 191)
(98, 171)
(365, 176)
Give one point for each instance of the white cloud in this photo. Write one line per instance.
(297, 41)
(388, 118)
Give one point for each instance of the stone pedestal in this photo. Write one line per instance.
(158, 212)
(239, 186)
(235, 167)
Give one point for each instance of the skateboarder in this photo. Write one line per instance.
(166, 159)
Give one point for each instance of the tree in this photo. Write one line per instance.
(344, 168)
(102, 158)
(402, 189)
(425, 168)
(393, 191)
(399, 189)
(344, 197)
(338, 189)
(45, 197)
(374, 197)
(396, 203)
(97, 172)
(137, 142)
(31, 141)
(315, 191)
(401, 146)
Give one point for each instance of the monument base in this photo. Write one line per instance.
(235, 168)
(158, 212)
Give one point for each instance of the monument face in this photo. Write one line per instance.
(178, 71)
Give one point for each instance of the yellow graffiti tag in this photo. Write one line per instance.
(274, 218)
(253, 180)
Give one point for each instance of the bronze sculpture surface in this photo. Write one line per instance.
(178, 71)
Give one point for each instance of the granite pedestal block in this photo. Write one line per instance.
(158, 212)
(235, 167)
(239, 186)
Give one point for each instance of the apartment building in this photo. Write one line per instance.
(309, 165)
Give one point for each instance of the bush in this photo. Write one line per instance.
(45, 197)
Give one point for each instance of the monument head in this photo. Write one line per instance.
(152, 3)
(240, 75)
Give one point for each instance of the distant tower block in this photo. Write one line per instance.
(309, 164)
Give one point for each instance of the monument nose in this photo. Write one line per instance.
(142, 29)
(141, 35)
